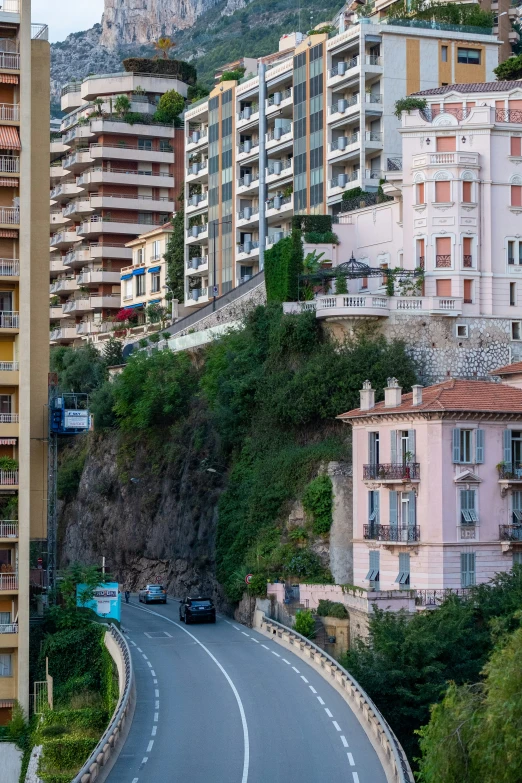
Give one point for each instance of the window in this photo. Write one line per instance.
(402, 447)
(140, 285)
(155, 283)
(165, 146)
(443, 191)
(156, 252)
(5, 403)
(443, 252)
(467, 254)
(373, 506)
(468, 56)
(444, 54)
(514, 252)
(466, 192)
(468, 291)
(373, 448)
(373, 573)
(512, 457)
(420, 253)
(516, 195)
(516, 143)
(515, 330)
(443, 287)
(467, 569)
(516, 507)
(468, 507)
(403, 578)
(145, 144)
(139, 257)
(403, 514)
(512, 294)
(5, 665)
(517, 558)
(463, 442)
(420, 193)
(127, 289)
(446, 143)
(364, 283)
(5, 618)
(462, 330)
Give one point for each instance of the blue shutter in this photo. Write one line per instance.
(393, 508)
(376, 506)
(471, 568)
(479, 447)
(411, 444)
(456, 446)
(507, 446)
(467, 569)
(517, 500)
(412, 509)
(393, 447)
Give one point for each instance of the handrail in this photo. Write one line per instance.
(106, 744)
(396, 754)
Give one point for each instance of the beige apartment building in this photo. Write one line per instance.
(315, 121)
(112, 179)
(24, 349)
(145, 282)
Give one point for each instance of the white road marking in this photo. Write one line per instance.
(350, 759)
(296, 670)
(135, 780)
(344, 741)
(227, 621)
(149, 664)
(245, 634)
(235, 626)
(134, 643)
(274, 653)
(355, 777)
(139, 649)
(312, 689)
(156, 693)
(154, 730)
(264, 645)
(156, 715)
(149, 746)
(145, 657)
(152, 670)
(320, 700)
(246, 758)
(144, 759)
(304, 679)
(288, 662)
(156, 706)
(254, 640)
(336, 725)
(328, 712)
(155, 682)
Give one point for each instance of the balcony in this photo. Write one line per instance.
(9, 529)
(8, 582)
(65, 334)
(247, 148)
(392, 472)
(64, 239)
(395, 533)
(342, 105)
(443, 261)
(9, 61)
(344, 145)
(373, 102)
(98, 277)
(97, 225)
(197, 264)
(278, 136)
(279, 205)
(197, 296)
(128, 152)
(247, 215)
(9, 320)
(56, 265)
(510, 532)
(63, 192)
(10, 216)
(197, 170)
(9, 112)
(81, 304)
(247, 249)
(95, 176)
(197, 232)
(196, 139)
(129, 202)
(279, 100)
(339, 182)
(78, 160)
(63, 284)
(78, 208)
(248, 114)
(346, 305)
(8, 628)
(8, 478)
(110, 250)
(346, 69)
(88, 327)
(55, 312)
(248, 182)
(278, 169)
(510, 471)
(9, 267)
(129, 82)
(428, 159)
(276, 236)
(105, 301)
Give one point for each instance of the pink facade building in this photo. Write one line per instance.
(437, 484)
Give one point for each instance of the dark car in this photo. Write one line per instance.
(152, 594)
(197, 609)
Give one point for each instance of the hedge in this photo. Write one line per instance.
(86, 718)
(332, 609)
(311, 223)
(184, 71)
(66, 753)
(283, 265)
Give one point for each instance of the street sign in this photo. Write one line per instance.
(248, 578)
(215, 290)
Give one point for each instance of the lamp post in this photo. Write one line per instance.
(215, 224)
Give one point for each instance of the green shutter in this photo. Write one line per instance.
(456, 446)
(479, 447)
(393, 508)
(412, 509)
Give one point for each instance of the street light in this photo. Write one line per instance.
(215, 223)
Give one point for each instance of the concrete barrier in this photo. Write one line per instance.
(384, 741)
(103, 757)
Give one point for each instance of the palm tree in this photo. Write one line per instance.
(163, 46)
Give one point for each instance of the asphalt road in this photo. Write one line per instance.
(223, 704)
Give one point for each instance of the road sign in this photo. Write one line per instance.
(248, 578)
(215, 290)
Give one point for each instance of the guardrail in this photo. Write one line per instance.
(386, 744)
(106, 746)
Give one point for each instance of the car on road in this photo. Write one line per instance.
(153, 594)
(197, 609)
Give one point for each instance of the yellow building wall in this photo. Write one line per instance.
(412, 65)
(465, 73)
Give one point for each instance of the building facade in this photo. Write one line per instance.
(112, 180)
(320, 116)
(24, 347)
(145, 282)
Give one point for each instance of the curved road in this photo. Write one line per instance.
(223, 704)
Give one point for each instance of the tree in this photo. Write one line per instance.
(163, 46)
(80, 370)
(98, 103)
(175, 253)
(112, 352)
(341, 286)
(76, 574)
(122, 106)
(510, 69)
(305, 623)
(170, 106)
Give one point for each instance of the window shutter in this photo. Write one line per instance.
(412, 509)
(456, 446)
(411, 443)
(479, 446)
(507, 446)
(517, 500)
(371, 448)
(464, 570)
(393, 449)
(376, 506)
(471, 568)
(393, 508)
(370, 504)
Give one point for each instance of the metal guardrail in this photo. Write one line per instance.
(103, 750)
(369, 712)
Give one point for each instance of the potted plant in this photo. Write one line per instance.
(407, 461)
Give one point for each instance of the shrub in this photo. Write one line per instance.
(233, 76)
(332, 609)
(283, 265)
(56, 730)
(66, 753)
(341, 284)
(510, 69)
(8, 463)
(408, 104)
(70, 473)
(317, 502)
(297, 534)
(184, 71)
(257, 585)
(305, 624)
(17, 728)
(122, 105)
(321, 237)
(170, 106)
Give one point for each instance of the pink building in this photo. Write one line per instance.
(437, 484)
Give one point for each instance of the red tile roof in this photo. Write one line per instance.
(509, 369)
(453, 395)
(503, 86)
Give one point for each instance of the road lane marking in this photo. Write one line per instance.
(236, 627)
(304, 679)
(155, 682)
(296, 670)
(312, 689)
(156, 706)
(154, 730)
(355, 777)
(149, 664)
(135, 780)
(320, 700)
(144, 760)
(152, 670)
(254, 640)
(264, 645)
(156, 715)
(350, 759)
(145, 657)
(246, 742)
(328, 712)
(336, 725)
(344, 741)
(245, 634)
(134, 643)
(274, 653)
(288, 662)
(149, 746)
(156, 693)
(139, 649)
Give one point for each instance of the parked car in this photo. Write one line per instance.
(195, 609)
(153, 594)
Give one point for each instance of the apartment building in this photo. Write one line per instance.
(319, 116)
(24, 349)
(145, 282)
(112, 180)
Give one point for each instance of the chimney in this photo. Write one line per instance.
(367, 396)
(392, 394)
(417, 394)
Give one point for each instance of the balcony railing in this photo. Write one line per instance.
(247, 213)
(10, 216)
(8, 582)
(10, 6)
(409, 471)
(278, 201)
(248, 146)
(248, 179)
(373, 136)
(436, 597)
(10, 62)
(8, 628)
(280, 96)
(8, 528)
(509, 471)
(39, 32)
(403, 534)
(278, 166)
(9, 418)
(443, 261)
(277, 134)
(10, 112)
(373, 98)
(9, 319)
(248, 112)
(9, 267)
(344, 141)
(9, 366)
(394, 164)
(467, 262)
(9, 164)
(341, 68)
(508, 115)
(510, 532)
(247, 247)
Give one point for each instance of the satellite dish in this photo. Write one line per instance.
(127, 351)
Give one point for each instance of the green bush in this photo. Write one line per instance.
(66, 753)
(233, 76)
(408, 104)
(308, 223)
(67, 720)
(510, 69)
(341, 284)
(305, 623)
(184, 71)
(170, 106)
(332, 609)
(318, 502)
(321, 237)
(70, 473)
(283, 265)
(8, 463)
(257, 585)
(56, 730)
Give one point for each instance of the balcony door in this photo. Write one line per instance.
(6, 301)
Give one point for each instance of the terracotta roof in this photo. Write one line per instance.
(453, 395)
(472, 87)
(509, 369)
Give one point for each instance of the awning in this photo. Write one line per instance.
(134, 306)
(7, 441)
(8, 182)
(8, 78)
(138, 272)
(154, 269)
(8, 233)
(126, 277)
(155, 301)
(9, 138)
